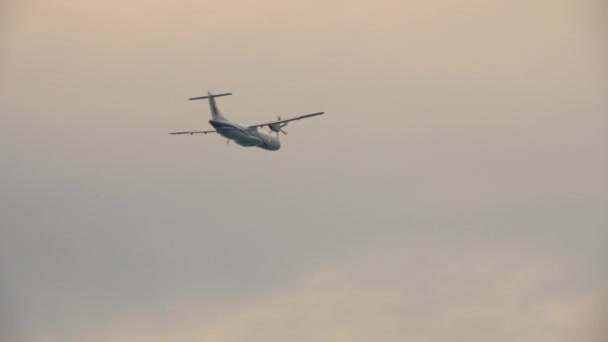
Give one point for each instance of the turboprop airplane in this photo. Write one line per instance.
(245, 135)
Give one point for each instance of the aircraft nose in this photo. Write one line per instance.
(275, 146)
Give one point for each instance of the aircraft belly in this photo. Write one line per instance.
(239, 137)
(248, 141)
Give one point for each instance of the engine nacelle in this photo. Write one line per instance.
(275, 127)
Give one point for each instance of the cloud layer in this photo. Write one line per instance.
(456, 188)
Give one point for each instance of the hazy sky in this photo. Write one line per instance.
(456, 189)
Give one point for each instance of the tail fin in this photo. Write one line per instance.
(215, 112)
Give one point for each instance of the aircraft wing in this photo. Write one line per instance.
(194, 132)
(278, 122)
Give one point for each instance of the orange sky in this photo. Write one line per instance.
(456, 186)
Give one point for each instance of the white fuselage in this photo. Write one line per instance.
(245, 136)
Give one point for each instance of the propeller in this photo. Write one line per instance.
(278, 127)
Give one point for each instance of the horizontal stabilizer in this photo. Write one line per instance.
(209, 96)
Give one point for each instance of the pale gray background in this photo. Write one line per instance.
(457, 188)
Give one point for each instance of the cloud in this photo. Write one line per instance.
(391, 290)
(456, 188)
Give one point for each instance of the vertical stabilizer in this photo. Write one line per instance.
(215, 112)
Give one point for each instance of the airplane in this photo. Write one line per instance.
(245, 135)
